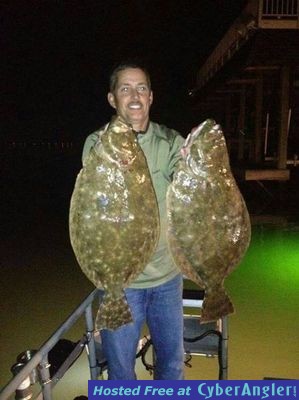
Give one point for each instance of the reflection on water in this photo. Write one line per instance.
(265, 292)
(42, 284)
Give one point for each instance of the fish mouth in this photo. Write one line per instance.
(185, 150)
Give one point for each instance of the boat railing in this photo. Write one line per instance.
(40, 362)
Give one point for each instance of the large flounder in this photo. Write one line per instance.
(114, 219)
(209, 226)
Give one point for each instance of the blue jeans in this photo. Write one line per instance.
(161, 307)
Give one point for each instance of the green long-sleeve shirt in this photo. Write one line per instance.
(161, 147)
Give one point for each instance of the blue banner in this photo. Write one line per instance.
(194, 390)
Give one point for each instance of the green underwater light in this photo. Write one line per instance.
(268, 276)
(275, 252)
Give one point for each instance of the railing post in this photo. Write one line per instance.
(23, 391)
(282, 150)
(91, 343)
(224, 344)
(45, 379)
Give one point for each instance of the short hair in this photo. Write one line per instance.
(125, 65)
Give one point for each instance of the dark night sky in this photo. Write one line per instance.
(58, 55)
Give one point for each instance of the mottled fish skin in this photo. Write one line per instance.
(208, 222)
(114, 219)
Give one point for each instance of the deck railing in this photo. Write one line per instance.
(258, 14)
(280, 9)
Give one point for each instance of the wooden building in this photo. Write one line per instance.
(250, 84)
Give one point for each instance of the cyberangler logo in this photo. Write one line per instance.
(247, 390)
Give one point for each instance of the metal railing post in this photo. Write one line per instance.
(91, 343)
(224, 345)
(23, 391)
(45, 379)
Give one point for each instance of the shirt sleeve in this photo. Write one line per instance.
(174, 155)
(90, 141)
(88, 145)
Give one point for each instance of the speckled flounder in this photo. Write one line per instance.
(114, 219)
(209, 226)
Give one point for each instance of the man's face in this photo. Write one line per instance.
(132, 97)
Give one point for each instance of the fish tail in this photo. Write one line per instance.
(113, 313)
(216, 305)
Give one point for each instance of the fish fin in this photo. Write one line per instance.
(113, 313)
(216, 305)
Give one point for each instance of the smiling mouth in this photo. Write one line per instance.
(135, 106)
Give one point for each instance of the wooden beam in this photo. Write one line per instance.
(244, 81)
(228, 113)
(241, 124)
(258, 128)
(224, 91)
(284, 116)
(262, 68)
(256, 219)
(267, 174)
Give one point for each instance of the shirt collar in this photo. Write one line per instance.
(145, 136)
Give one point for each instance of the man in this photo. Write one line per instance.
(156, 295)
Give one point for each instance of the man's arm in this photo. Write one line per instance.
(88, 145)
(90, 141)
(175, 155)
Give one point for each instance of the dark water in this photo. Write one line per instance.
(41, 282)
